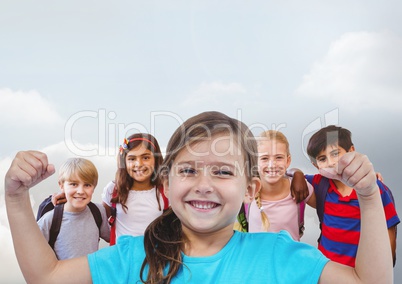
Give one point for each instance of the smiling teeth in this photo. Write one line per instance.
(203, 205)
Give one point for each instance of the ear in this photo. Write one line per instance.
(352, 148)
(289, 161)
(61, 185)
(166, 187)
(252, 189)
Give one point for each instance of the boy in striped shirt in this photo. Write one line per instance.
(340, 216)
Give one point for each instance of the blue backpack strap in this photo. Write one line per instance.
(320, 191)
(56, 224)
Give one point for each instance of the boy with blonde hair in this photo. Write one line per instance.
(78, 233)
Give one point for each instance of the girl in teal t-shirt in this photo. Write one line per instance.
(210, 168)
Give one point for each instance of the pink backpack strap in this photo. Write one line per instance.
(300, 215)
(246, 209)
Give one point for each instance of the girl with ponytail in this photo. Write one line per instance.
(274, 208)
(209, 170)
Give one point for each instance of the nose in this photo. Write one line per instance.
(204, 184)
(271, 163)
(137, 162)
(332, 162)
(80, 189)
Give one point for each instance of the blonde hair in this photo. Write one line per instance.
(81, 168)
(273, 135)
(269, 135)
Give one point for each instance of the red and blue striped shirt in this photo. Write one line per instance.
(340, 228)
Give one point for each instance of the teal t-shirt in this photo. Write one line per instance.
(247, 257)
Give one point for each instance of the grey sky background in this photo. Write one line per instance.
(76, 77)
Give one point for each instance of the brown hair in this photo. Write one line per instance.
(329, 135)
(163, 238)
(124, 181)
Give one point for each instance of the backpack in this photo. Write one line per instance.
(47, 206)
(113, 213)
(245, 208)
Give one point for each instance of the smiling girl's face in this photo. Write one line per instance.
(207, 184)
(140, 163)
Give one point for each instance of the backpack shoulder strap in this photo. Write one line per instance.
(242, 219)
(164, 197)
(300, 215)
(56, 224)
(96, 213)
(112, 219)
(246, 209)
(113, 212)
(44, 207)
(320, 191)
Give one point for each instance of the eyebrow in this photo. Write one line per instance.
(145, 154)
(220, 164)
(267, 154)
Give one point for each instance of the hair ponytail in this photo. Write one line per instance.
(162, 242)
(264, 217)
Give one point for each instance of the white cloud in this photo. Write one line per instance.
(361, 70)
(26, 108)
(9, 270)
(215, 93)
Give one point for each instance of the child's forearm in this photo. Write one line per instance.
(37, 260)
(298, 187)
(373, 261)
(291, 171)
(35, 257)
(374, 249)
